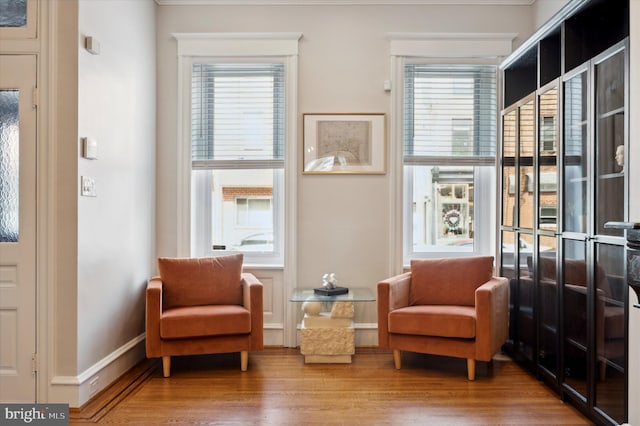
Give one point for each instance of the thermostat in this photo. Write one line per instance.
(90, 148)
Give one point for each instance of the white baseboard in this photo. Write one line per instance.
(77, 390)
(366, 334)
(273, 335)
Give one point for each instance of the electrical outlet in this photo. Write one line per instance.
(87, 186)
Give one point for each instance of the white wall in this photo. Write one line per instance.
(116, 229)
(104, 246)
(543, 10)
(343, 221)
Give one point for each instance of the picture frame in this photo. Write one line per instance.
(344, 143)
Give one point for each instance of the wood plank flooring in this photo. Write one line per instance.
(279, 389)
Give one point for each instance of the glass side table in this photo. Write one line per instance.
(326, 332)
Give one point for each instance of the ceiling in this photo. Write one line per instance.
(345, 2)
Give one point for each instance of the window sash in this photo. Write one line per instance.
(437, 100)
(237, 115)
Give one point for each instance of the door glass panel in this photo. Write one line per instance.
(525, 296)
(13, 13)
(548, 306)
(548, 160)
(575, 158)
(508, 270)
(611, 294)
(610, 111)
(9, 169)
(509, 167)
(527, 143)
(575, 315)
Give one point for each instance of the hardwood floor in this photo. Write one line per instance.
(279, 389)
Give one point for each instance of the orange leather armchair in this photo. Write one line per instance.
(203, 306)
(452, 307)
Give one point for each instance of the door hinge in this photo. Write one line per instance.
(36, 97)
(34, 363)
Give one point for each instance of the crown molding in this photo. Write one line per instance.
(340, 2)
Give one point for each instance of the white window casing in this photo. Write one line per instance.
(235, 48)
(457, 50)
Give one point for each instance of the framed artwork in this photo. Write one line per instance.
(344, 143)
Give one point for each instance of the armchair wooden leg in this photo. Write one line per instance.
(166, 366)
(244, 360)
(397, 359)
(471, 368)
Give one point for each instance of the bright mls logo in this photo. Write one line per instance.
(36, 414)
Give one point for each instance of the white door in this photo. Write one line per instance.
(17, 228)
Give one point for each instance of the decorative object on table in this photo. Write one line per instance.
(312, 308)
(344, 143)
(329, 286)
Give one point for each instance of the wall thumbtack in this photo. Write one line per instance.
(92, 45)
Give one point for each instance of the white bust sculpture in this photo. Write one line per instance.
(620, 157)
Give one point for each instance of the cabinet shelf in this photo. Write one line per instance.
(578, 180)
(614, 112)
(611, 176)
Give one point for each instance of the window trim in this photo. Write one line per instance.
(238, 47)
(463, 48)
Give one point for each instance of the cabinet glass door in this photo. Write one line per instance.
(548, 159)
(610, 146)
(548, 304)
(575, 157)
(526, 139)
(526, 327)
(508, 270)
(509, 137)
(611, 331)
(575, 318)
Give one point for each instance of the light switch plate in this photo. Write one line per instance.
(87, 186)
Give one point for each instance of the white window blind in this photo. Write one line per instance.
(450, 114)
(237, 116)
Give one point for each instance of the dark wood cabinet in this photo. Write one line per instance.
(563, 177)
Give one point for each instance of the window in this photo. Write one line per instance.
(449, 151)
(237, 157)
(254, 212)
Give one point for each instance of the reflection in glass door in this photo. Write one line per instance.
(610, 143)
(576, 324)
(509, 137)
(548, 160)
(526, 139)
(611, 330)
(575, 154)
(548, 304)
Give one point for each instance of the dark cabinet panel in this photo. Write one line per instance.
(564, 171)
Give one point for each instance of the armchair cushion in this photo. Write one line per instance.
(201, 281)
(448, 281)
(200, 321)
(434, 320)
